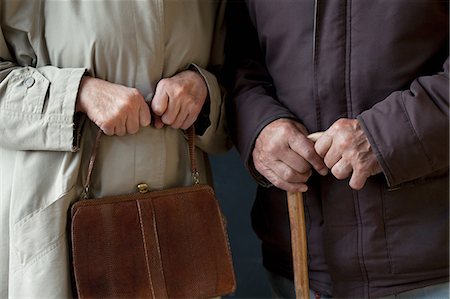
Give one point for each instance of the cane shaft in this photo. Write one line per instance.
(299, 244)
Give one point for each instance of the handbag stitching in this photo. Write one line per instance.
(141, 224)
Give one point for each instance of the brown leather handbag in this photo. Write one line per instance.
(160, 244)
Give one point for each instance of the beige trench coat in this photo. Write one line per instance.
(45, 48)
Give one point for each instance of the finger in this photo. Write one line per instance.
(192, 116)
(272, 177)
(315, 136)
(160, 100)
(332, 157)
(305, 148)
(358, 180)
(281, 169)
(342, 169)
(323, 144)
(288, 174)
(132, 124)
(158, 122)
(188, 122)
(291, 187)
(173, 108)
(107, 129)
(180, 119)
(144, 115)
(278, 182)
(295, 161)
(120, 130)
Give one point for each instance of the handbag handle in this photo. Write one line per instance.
(190, 132)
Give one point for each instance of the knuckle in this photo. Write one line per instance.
(134, 93)
(167, 119)
(309, 153)
(107, 129)
(164, 82)
(270, 147)
(127, 107)
(288, 175)
(278, 183)
(157, 107)
(178, 90)
(285, 130)
(107, 125)
(339, 124)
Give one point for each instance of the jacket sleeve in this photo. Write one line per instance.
(409, 130)
(253, 103)
(37, 105)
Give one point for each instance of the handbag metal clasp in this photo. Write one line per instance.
(143, 188)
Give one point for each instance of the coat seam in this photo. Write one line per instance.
(360, 246)
(136, 39)
(384, 212)
(348, 65)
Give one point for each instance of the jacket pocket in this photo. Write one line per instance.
(26, 90)
(417, 226)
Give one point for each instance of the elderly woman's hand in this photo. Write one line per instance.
(179, 99)
(116, 109)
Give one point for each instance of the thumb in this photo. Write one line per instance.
(160, 101)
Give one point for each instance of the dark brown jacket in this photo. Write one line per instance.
(386, 64)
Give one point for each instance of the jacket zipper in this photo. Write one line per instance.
(314, 30)
(314, 61)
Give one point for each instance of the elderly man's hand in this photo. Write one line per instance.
(116, 109)
(284, 155)
(347, 152)
(179, 99)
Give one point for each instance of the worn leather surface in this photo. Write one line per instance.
(162, 244)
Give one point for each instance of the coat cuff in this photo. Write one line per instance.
(214, 138)
(396, 165)
(39, 108)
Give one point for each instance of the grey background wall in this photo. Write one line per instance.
(236, 190)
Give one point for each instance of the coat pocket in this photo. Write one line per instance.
(40, 232)
(417, 226)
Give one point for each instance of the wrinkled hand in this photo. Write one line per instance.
(347, 152)
(179, 99)
(284, 155)
(114, 108)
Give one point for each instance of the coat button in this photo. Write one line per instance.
(29, 82)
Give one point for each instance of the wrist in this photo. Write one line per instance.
(79, 107)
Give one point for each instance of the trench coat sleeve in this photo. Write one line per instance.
(37, 105)
(214, 137)
(253, 103)
(409, 130)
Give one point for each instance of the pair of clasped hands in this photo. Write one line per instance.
(285, 156)
(119, 110)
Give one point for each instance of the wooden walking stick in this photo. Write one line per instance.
(298, 244)
(298, 239)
